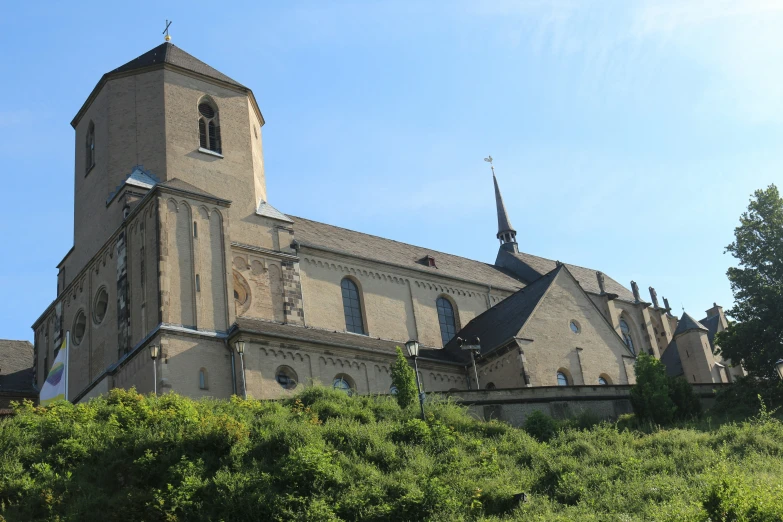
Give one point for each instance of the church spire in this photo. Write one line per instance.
(506, 233)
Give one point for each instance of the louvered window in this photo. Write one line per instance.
(209, 127)
(89, 159)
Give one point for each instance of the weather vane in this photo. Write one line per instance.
(488, 159)
(166, 31)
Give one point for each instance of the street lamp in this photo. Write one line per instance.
(413, 352)
(474, 347)
(779, 368)
(240, 346)
(154, 354)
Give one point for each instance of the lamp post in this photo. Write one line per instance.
(413, 352)
(154, 354)
(779, 368)
(474, 347)
(240, 346)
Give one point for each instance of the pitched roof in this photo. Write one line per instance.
(687, 323)
(16, 366)
(671, 359)
(504, 225)
(711, 324)
(173, 55)
(267, 210)
(178, 184)
(585, 276)
(137, 178)
(320, 235)
(503, 321)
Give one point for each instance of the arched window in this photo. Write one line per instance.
(562, 379)
(209, 126)
(626, 331)
(79, 327)
(448, 325)
(286, 377)
(490, 386)
(344, 383)
(89, 151)
(352, 307)
(602, 381)
(203, 384)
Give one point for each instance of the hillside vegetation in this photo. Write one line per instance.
(326, 456)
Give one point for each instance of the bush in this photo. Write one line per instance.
(323, 455)
(681, 394)
(404, 380)
(541, 426)
(650, 395)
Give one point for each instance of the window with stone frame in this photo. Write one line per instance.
(209, 126)
(446, 319)
(352, 307)
(625, 330)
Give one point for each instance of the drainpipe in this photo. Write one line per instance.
(233, 367)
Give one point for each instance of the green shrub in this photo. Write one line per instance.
(404, 380)
(681, 394)
(541, 426)
(650, 395)
(323, 455)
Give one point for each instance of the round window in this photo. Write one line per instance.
(575, 327)
(286, 377)
(79, 326)
(100, 305)
(206, 110)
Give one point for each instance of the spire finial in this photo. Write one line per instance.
(488, 159)
(166, 31)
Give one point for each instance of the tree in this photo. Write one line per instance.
(755, 338)
(650, 395)
(404, 380)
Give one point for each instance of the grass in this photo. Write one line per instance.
(326, 456)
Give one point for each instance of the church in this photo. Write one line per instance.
(178, 247)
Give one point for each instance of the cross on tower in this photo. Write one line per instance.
(166, 31)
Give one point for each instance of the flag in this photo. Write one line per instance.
(55, 387)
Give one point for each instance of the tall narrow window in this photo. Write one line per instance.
(352, 307)
(209, 126)
(89, 162)
(202, 379)
(626, 331)
(448, 326)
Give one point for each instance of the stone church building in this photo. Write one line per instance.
(178, 245)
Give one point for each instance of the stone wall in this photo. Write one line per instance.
(560, 402)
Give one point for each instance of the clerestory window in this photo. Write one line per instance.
(89, 148)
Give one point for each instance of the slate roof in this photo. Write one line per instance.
(137, 178)
(16, 366)
(173, 55)
(671, 359)
(686, 323)
(504, 225)
(503, 321)
(178, 184)
(586, 276)
(267, 210)
(322, 336)
(711, 324)
(315, 234)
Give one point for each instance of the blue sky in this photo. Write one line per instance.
(627, 136)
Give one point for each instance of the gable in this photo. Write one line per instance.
(594, 351)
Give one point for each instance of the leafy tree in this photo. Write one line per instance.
(681, 394)
(756, 338)
(650, 395)
(404, 380)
